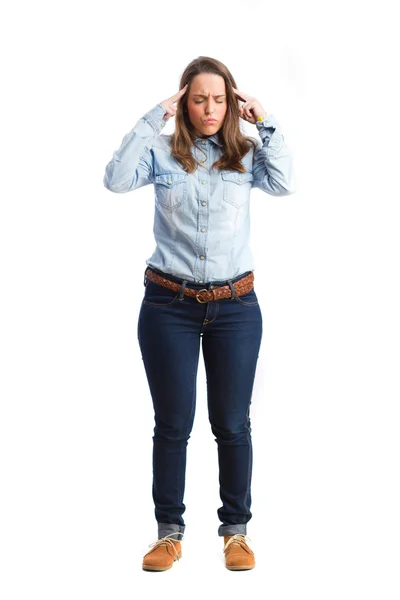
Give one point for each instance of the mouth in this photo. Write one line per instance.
(209, 121)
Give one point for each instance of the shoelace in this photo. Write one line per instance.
(238, 538)
(165, 541)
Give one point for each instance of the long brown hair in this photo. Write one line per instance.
(235, 144)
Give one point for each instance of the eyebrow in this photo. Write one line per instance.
(204, 96)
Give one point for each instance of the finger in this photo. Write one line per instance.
(171, 111)
(244, 109)
(247, 108)
(180, 93)
(241, 95)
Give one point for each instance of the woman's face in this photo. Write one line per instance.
(207, 100)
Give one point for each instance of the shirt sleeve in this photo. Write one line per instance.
(273, 169)
(131, 166)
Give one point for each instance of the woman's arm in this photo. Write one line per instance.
(131, 166)
(272, 161)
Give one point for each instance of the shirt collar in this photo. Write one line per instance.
(212, 138)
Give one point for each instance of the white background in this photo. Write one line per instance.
(76, 414)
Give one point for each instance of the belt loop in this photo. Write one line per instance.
(144, 277)
(183, 285)
(229, 281)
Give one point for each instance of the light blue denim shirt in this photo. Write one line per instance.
(201, 219)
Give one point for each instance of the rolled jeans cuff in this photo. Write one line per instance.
(232, 529)
(165, 529)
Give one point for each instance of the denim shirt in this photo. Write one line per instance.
(201, 219)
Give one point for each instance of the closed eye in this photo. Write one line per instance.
(218, 102)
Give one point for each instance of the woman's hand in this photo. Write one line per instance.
(170, 109)
(251, 109)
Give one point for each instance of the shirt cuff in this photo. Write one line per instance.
(155, 117)
(270, 131)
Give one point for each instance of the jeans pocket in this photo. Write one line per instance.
(157, 295)
(249, 299)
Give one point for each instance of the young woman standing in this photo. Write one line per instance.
(199, 286)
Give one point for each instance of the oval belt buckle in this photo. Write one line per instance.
(197, 296)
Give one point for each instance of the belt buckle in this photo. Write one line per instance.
(197, 296)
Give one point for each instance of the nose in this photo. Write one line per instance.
(210, 107)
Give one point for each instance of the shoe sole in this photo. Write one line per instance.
(240, 568)
(155, 568)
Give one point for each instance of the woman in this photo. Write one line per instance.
(199, 286)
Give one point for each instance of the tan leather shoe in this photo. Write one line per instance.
(238, 555)
(164, 552)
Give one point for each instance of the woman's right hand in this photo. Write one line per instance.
(168, 105)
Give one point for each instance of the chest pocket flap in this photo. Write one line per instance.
(171, 189)
(236, 177)
(237, 187)
(170, 179)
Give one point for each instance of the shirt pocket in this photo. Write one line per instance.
(237, 187)
(171, 189)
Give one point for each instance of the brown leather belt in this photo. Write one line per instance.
(241, 286)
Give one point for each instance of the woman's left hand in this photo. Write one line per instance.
(251, 109)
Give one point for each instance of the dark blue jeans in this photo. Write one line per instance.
(170, 328)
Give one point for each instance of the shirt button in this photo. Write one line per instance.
(212, 287)
(169, 181)
(203, 229)
(201, 257)
(162, 124)
(204, 203)
(202, 141)
(240, 179)
(203, 160)
(203, 181)
(200, 281)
